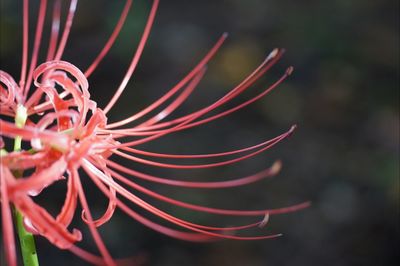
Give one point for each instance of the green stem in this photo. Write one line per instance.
(26, 239)
(27, 242)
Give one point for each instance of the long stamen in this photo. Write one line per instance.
(100, 244)
(89, 257)
(179, 203)
(262, 68)
(38, 37)
(272, 171)
(188, 236)
(177, 102)
(197, 166)
(111, 40)
(33, 100)
(67, 29)
(186, 124)
(136, 57)
(255, 75)
(55, 30)
(208, 155)
(176, 88)
(208, 209)
(25, 36)
(93, 171)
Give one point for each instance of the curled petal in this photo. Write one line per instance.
(49, 118)
(69, 207)
(22, 160)
(110, 208)
(57, 140)
(98, 120)
(43, 223)
(10, 93)
(111, 200)
(46, 225)
(78, 90)
(38, 181)
(63, 65)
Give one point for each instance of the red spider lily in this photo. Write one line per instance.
(67, 131)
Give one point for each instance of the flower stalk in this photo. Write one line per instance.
(26, 239)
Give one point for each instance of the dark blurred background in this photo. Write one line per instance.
(344, 96)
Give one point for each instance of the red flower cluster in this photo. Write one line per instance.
(66, 131)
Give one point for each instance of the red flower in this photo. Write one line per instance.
(67, 131)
